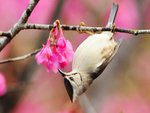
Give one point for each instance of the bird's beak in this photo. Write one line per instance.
(62, 73)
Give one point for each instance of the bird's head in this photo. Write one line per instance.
(74, 83)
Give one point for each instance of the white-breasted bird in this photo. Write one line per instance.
(90, 59)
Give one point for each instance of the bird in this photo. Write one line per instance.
(90, 59)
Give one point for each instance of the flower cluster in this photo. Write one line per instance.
(57, 52)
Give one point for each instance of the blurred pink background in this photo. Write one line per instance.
(124, 86)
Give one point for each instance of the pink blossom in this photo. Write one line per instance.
(3, 88)
(47, 58)
(57, 52)
(65, 50)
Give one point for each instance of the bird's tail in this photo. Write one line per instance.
(112, 15)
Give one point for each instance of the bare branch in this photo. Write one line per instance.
(85, 28)
(26, 14)
(8, 36)
(20, 57)
(133, 31)
(80, 28)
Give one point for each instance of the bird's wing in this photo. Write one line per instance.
(103, 65)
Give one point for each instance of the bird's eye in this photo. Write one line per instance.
(71, 78)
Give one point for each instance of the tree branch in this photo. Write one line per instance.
(65, 27)
(20, 57)
(8, 36)
(78, 28)
(26, 14)
(85, 28)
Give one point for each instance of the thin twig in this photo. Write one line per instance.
(85, 28)
(20, 57)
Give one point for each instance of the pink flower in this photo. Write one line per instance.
(65, 50)
(47, 58)
(57, 52)
(3, 88)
